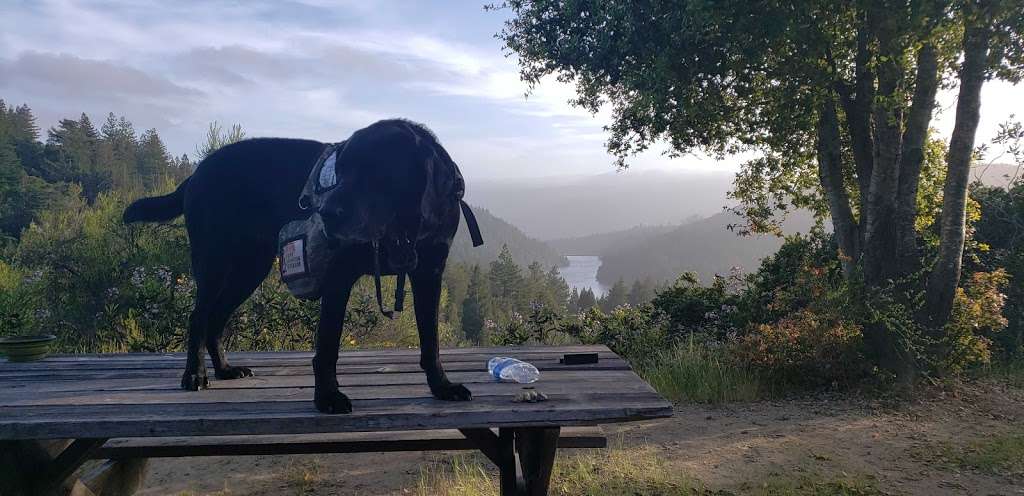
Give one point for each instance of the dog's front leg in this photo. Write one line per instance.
(326, 396)
(426, 288)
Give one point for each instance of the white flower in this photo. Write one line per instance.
(137, 276)
(165, 276)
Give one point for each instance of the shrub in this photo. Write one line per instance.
(805, 348)
(17, 305)
(977, 317)
(635, 333)
(689, 307)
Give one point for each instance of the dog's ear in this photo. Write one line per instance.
(444, 184)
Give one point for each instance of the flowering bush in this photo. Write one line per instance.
(805, 348)
(977, 317)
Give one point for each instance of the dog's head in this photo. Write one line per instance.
(390, 185)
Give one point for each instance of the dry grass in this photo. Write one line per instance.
(302, 475)
(614, 472)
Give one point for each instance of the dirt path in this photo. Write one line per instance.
(732, 448)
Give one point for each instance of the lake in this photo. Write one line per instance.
(582, 273)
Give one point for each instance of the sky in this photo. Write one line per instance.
(321, 69)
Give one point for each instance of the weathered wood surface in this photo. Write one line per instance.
(347, 442)
(137, 395)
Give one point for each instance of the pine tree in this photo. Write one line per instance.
(559, 290)
(616, 296)
(641, 292)
(474, 307)
(574, 301)
(69, 150)
(118, 150)
(24, 124)
(217, 137)
(535, 286)
(506, 280)
(182, 168)
(587, 300)
(153, 163)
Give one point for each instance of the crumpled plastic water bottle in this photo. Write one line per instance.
(512, 370)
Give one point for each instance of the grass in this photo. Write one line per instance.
(1011, 372)
(614, 472)
(815, 485)
(303, 475)
(636, 471)
(1001, 454)
(696, 373)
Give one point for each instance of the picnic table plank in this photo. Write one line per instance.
(296, 417)
(296, 369)
(347, 442)
(614, 382)
(129, 383)
(278, 359)
(396, 352)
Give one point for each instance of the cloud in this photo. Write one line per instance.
(303, 68)
(75, 77)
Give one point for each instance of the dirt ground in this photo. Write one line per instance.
(732, 447)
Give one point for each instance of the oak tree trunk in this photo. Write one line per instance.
(945, 276)
(912, 156)
(830, 173)
(879, 262)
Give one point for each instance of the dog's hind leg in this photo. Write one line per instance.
(244, 276)
(209, 281)
(194, 377)
(426, 289)
(338, 287)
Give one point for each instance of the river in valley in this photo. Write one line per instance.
(581, 273)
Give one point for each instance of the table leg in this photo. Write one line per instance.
(42, 467)
(524, 457)
(536, 447)
(509, 474)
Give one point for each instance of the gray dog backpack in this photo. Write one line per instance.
(305, 251)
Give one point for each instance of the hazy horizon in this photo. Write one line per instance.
(319, 69)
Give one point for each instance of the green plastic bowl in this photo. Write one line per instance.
(26, 348)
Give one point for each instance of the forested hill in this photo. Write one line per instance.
(706, 247)
(496, 232)
(595, 244)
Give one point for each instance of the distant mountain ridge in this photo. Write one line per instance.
(596, 244)
(573, 206)
(497, 232)
(706, 247)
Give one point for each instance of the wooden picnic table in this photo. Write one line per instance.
(57, 413)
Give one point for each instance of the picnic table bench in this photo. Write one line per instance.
(60, 412)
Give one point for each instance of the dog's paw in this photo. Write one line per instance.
(451, 392)
(332, 402)
(229, 373)
(194, 382)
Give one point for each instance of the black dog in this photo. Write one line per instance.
(397, 188)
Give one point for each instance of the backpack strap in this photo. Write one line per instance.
(474, 228)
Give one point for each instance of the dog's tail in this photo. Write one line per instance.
(157, 208)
